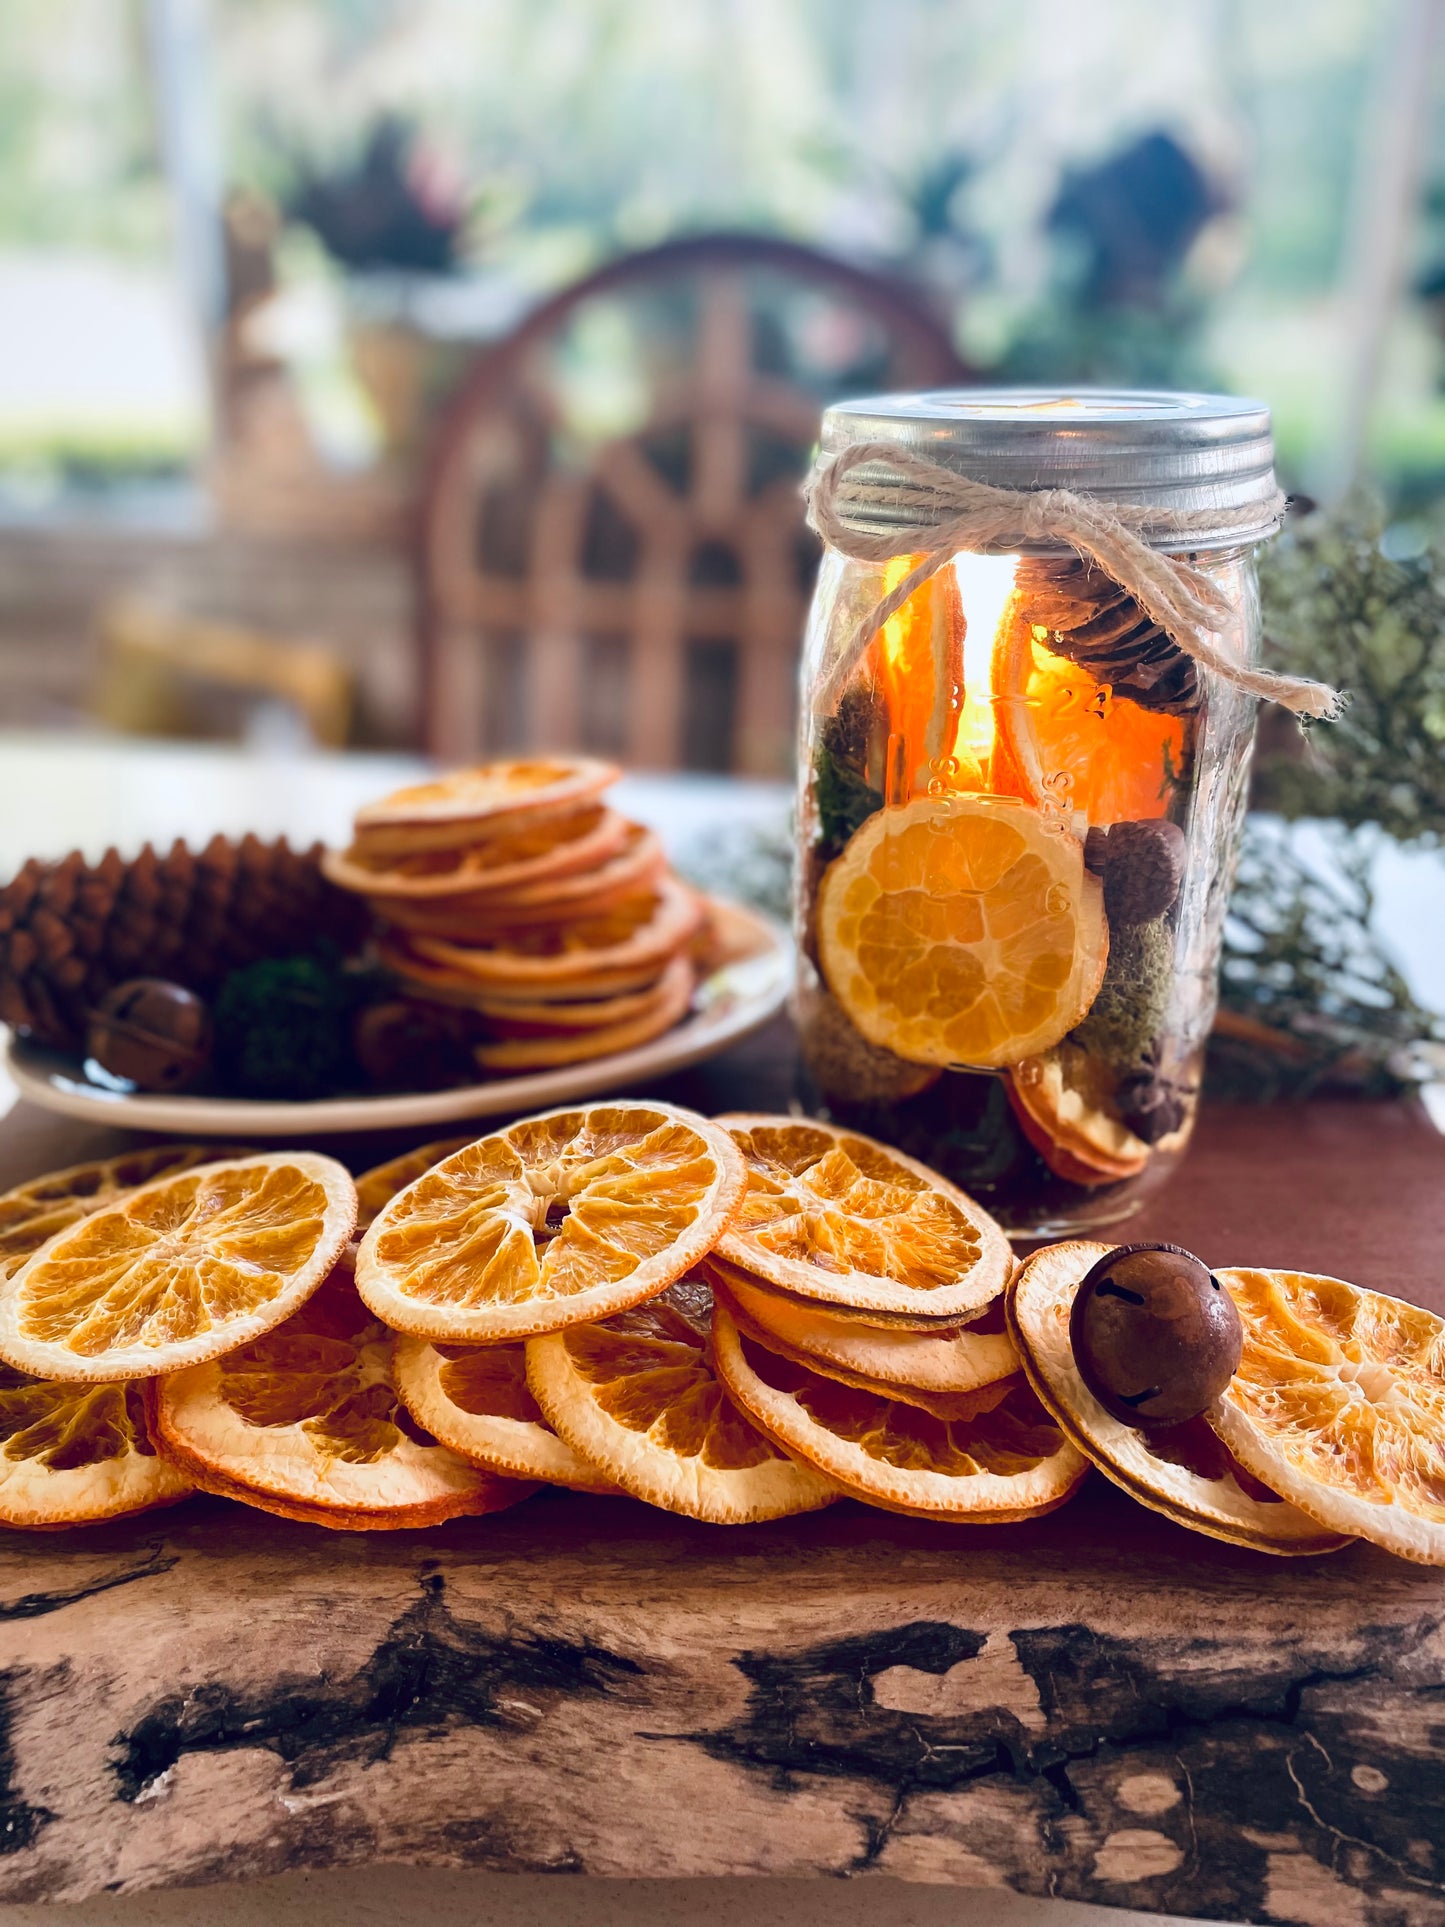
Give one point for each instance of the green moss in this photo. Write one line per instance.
(284, 1028)
(1132, 1006)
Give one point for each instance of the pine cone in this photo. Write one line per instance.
(69, 931)
(1095, 623)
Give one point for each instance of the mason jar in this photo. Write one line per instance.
(1020, 801)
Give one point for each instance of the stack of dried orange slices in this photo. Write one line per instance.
(514, 891)
(552, 1327)
(859, 1322)
(189, 1323)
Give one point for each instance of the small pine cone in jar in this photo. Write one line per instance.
(1152, 1105)
(1098, 625)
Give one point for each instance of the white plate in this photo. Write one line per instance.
(731, 1004)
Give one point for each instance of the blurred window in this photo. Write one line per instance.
(102, 388)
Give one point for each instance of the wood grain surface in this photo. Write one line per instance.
(1099, 1706)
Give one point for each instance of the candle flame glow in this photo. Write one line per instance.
(985, 583)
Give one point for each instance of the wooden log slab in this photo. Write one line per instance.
(1099, 1706)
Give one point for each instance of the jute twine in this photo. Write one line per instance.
(936, 512)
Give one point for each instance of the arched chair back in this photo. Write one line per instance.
(612, 547)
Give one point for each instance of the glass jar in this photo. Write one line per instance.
(1020, 805)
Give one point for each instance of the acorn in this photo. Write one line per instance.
(1156, 1336)
(150, 1034)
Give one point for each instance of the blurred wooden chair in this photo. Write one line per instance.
(163, 673)
(612, 555)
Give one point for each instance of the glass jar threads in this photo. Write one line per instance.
(1026, 724)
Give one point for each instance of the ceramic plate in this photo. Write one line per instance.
(736, 1000)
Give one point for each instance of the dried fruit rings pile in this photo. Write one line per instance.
(513, 898)
(735, 1319)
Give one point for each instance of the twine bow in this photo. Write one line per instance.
(936, 512)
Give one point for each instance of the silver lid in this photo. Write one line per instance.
(1172, 452)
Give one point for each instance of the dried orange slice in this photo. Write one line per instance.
(831, 1215)
(638, 1396)
(1062, 1117)
(464, 880)
(305, 1421)
(450, 986)
(667, 1005)
(919, 670)
(476, 797)
(941, 1405)
(180, 1270)
(1071, 742)
(1009, 1463)
(379, 1185)
(1183, 1471)
(73, 1454)
(963, 930)
(36, 1210)
(938, 1363)
(592, 892)
(546, 1016)
(555, 1220)
(1339, 1405)
(475, 1399)
(647, 929)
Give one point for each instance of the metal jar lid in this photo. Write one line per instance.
(1171, 452)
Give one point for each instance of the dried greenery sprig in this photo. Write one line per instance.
(1337, 606)
(1308, 996)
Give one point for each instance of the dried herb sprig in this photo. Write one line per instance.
(844, 796)
(1308, 996)
(1337, 606)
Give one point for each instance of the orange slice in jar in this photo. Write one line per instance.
(1338, 1404)
(305, 1421)
(639, 1396)
(918, 658)
(180, 1270)
(1068, 742)
(71, 1455)
(1183, 1471)
(1067, 1124)
(832, 1215)
(550, 1222)
(963, 930)
(476, 1400)
(1001, 1466)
